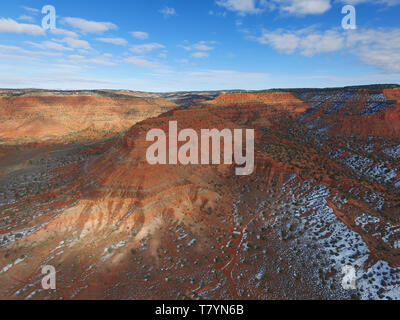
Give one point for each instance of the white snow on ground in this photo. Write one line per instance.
(375, 199)
(369, 147)
(344, 242)
(357, 163)
(60, 245)
(379, 282)
(15, 235)
(381, 172)
(8, 267)
(344, 246)
(192, 242)
(336, 153)
(366, 219)
(378, 97)
(109, 251)
(391, 234)
(118, 245)
(33, 294)
(394, 152)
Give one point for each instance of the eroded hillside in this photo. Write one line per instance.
(28, 119)
(324, 195)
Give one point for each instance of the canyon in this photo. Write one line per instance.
(77, 193)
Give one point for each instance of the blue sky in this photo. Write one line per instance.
(173, 45)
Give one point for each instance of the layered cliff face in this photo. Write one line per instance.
(37, 122)
(324, 195)
(27, 119)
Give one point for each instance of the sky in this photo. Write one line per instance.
(184, 45)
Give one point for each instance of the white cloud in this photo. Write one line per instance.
(140, 35)
(380, 2)
(10, 48)
(116, 41)
(291, 7)
(76, 57)
(55, 46)
(182, 61)
(77, 43)
(200, 55)
(303, 7)
(242, 7)
(59, 81)
(199, 46)
(307, 41)
(15, 57)
(143, 48)
(202, 47)
(168, 12)
(32, 10)
(142, 62)
(48, 45)
(217, 14)
(379, 48)
(281, 40)
(12, 26)
(64, 33)
(5, 48)
(100, 60)
(70, 77)
(24, 17)
(90, 26)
